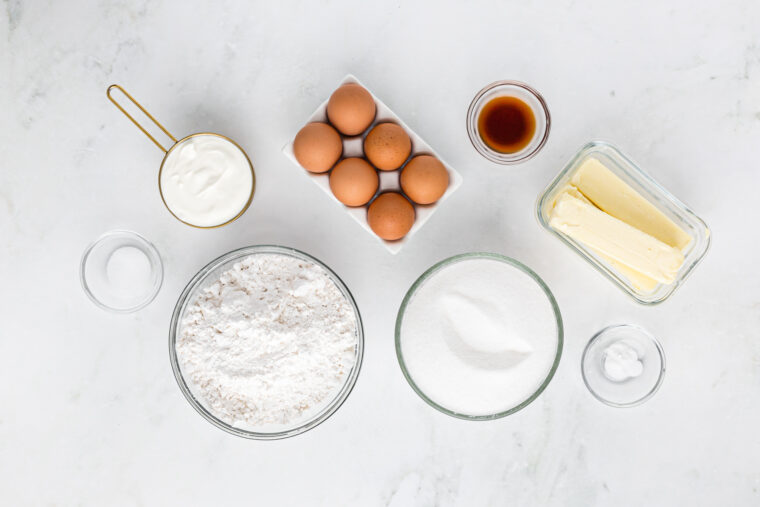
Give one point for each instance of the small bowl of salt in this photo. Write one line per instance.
(121, 271)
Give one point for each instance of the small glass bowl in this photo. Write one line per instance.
(201, 280)
(509, 89)
(623, 392)
(104, 291)
(627, 170)
(431, 272)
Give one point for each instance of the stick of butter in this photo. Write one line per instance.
(615, 239)
(641, 282)
(615, 197)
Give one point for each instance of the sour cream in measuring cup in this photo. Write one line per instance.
(206, 180)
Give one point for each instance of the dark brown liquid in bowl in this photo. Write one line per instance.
(507, 124)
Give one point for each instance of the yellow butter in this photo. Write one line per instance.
(639, 281)
(615, 239)
(615, 197)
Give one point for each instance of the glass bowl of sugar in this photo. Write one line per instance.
(479, 336)
(121, 271)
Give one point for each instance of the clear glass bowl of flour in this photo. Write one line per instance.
(479, 336)
(209, 275)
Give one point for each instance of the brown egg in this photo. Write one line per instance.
(387, 146)
(351, 109)
(317, 147)
(391, 216)
(424, 179)
(353, 181)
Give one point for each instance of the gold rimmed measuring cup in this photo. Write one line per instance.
(173, 149)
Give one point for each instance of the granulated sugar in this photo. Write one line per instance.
(479, 337)
(269, 343)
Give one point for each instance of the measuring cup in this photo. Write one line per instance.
(174, 150)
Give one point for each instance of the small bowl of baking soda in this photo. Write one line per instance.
(623, 365)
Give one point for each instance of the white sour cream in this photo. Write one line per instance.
(206, 180)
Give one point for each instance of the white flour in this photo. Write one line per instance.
(269, 343)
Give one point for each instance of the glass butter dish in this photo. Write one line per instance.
(631, 174)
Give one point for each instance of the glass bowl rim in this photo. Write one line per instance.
(184, 299)
(453, 260)
(159, 265)
(493, 155)
(660, 352)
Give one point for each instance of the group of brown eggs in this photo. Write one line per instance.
(355, 181)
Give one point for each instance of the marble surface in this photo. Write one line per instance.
(90, 413)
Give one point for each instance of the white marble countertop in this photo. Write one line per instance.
(90, 413)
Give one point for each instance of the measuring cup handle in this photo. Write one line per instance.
(131, 99)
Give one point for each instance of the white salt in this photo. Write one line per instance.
(128, 272)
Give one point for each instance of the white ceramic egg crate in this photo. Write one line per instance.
(389, 180)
